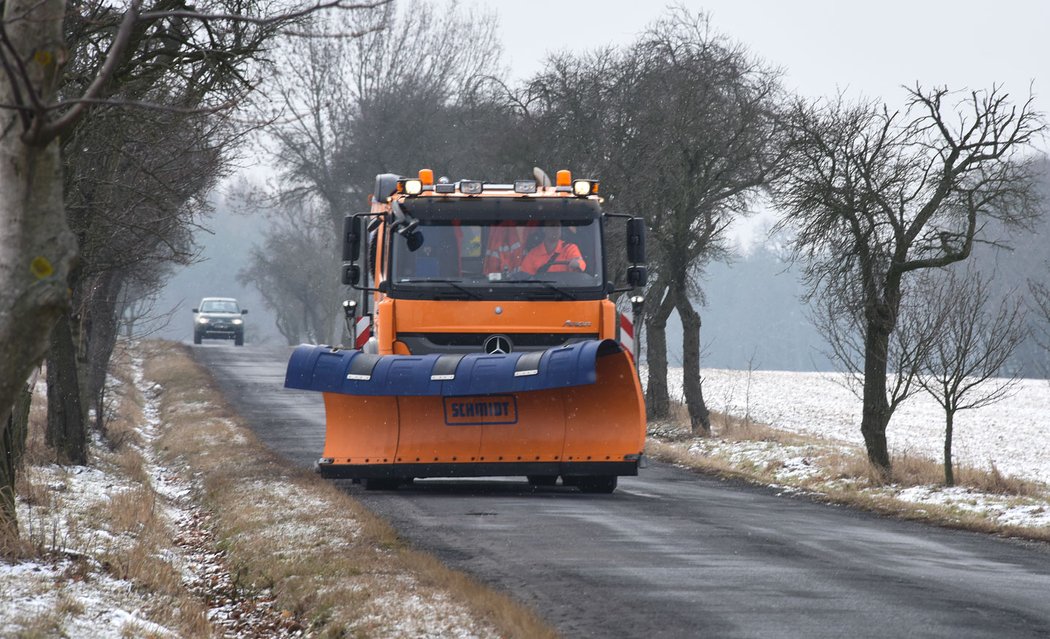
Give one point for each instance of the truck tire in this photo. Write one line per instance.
(542, 480)
(238, 339)
(381, 483)
(196, 337)
(598, 484)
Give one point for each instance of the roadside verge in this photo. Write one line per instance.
(838, 472)
(325, 558)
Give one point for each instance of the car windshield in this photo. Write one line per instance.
(491, 254)
(219, 306)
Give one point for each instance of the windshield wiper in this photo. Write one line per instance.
(453, 283)
(551, 284)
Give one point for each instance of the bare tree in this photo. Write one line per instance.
(681, 127)
(966, 366)
(874, 195)
(841, 323)
(39, 103)
(410, 92)
(1039, 302)
(289, 272)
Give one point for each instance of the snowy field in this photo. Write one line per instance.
(1010, 434)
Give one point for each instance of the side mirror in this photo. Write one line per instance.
(636, 241)
(351, 274)
(414, 241)
(244, 311)
(196, 311)
(637, 276)
(351, 238)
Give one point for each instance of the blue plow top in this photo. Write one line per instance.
(352, 372)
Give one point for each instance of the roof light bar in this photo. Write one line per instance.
(524, 186)
(470, 187)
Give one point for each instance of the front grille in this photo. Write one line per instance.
(424, 343)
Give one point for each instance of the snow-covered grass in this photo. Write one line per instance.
(1011, 434)
(189, 527)
(813, 444)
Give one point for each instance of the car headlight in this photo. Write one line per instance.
(202, 320)
(238, 322)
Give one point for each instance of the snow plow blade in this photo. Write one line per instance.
(573, 411)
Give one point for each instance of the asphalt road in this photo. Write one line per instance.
(675, 554)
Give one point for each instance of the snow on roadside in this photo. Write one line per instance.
(204, 570)
(1007, 435)
(72, 595)
(1011, 434)
(1016, 512)
(71, 592)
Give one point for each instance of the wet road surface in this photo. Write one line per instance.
(674, 554)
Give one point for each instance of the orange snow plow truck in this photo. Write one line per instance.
(484, 339)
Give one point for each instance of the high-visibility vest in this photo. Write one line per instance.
(505, 248)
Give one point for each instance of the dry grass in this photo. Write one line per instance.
(139, 537)
(31, 487)
(910, 470)
(328, 561)
(993, 481)
(37, 452)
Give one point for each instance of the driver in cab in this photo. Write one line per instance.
(553, 255)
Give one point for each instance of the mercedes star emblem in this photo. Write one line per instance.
(497, 345)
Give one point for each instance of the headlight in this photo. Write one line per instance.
(413, 187)
(202, 320)
(583, 188)
(238, 322)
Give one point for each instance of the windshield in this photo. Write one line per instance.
(219, 306)
(521, 250)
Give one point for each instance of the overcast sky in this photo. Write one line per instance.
(866, 48)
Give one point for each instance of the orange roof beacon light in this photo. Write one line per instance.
(564, 178)
(426, 176)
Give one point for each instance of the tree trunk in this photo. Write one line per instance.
(876, 413)
(949, 475)
(657, 398)
(36, 247)
(692, 385)
(99, 336)
(12, 445)
(66, 423)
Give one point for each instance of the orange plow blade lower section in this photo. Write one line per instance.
(595, 429)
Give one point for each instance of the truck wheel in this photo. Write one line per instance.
(196, 337)
(542, 480)
(603, 484)
(238, 339)
(380, 483)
